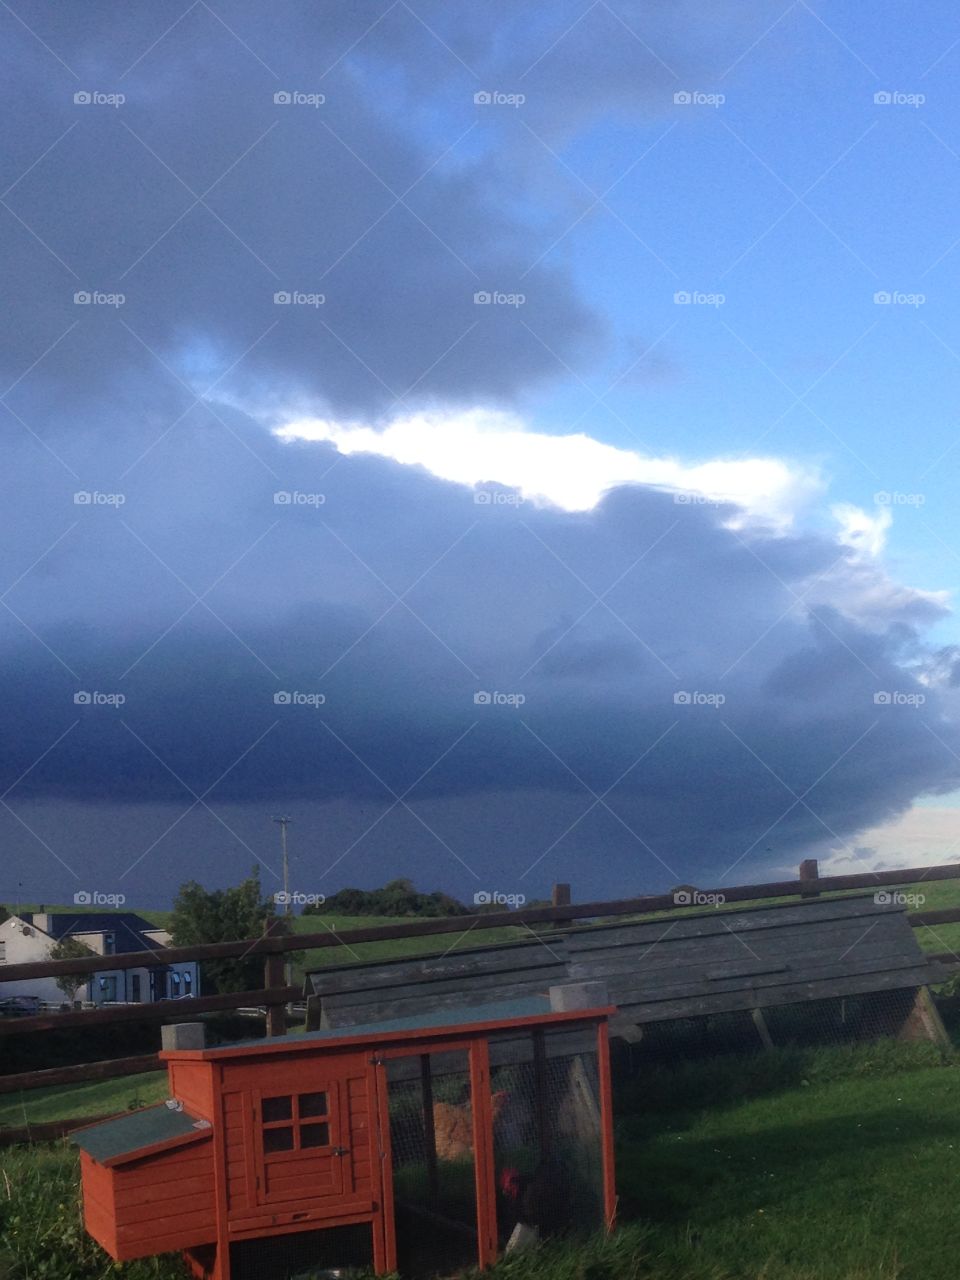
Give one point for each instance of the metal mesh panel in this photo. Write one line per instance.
(834, 1021)
(547, 1135)
(303, 1255)
(434, 1171)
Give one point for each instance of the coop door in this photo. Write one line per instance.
(430, 1161)
(300, 1144)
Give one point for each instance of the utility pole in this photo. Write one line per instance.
(286, 866)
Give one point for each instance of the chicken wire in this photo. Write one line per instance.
(433, 1160)
(547, 1135)
(834, 1021)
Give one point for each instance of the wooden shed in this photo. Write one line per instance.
(761, 963)
(423, 1144)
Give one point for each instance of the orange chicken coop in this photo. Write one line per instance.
(421, 1144)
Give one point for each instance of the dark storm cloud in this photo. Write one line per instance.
(398, 598)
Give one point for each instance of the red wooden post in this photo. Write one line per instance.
(809, 871)
(486, 1178)
(606, 1126)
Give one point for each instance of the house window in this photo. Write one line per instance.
(135, 989)
(295, 1122)
(187, 983)
(109, 944)
(3, 953)
(174, 985)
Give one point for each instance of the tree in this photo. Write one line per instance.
(70, 948)
(223, 915)
(398, 898)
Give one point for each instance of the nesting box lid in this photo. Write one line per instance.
(141, 1133)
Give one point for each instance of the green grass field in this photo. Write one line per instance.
(350, 953)
(96, 1098)
(832, 1164)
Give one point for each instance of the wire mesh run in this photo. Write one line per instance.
(547, 1136)
(834, 1021)
(433, 1160)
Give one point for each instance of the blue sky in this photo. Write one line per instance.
(401, 403)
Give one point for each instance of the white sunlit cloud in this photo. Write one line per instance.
(570, 471)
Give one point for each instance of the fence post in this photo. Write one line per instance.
(809, 871)
(274, 976)
(560, 897)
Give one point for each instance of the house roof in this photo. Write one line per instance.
(141, 1132)
(127, 927)
(469, 1019)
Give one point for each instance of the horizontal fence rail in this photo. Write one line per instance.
(276, 943)
(279, 943)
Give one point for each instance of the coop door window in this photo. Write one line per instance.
(295, 1122)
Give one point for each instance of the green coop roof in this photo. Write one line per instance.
(434, 1019)
(140, 1132)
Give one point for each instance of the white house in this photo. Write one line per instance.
(31, 936)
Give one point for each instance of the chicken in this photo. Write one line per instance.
(539, 1203)
(453, 1125)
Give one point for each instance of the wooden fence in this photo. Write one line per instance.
(276, 942)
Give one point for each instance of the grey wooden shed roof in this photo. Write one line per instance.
(721, 961)
(680, 966)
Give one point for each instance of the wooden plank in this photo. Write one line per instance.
(664, 966)
(486, 985)
(628, 992)
(511, 957)
(48, 1131)
(745, 969)
(175, 1010)
(758, 919)
(948, 915)
(24, 1080)
(762, 998)
(344, 1013)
